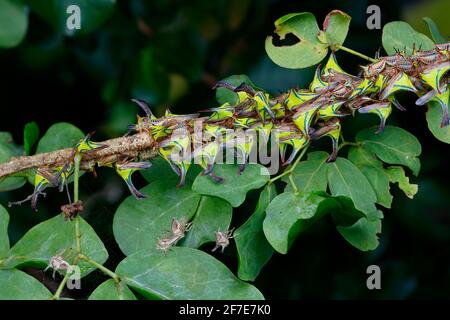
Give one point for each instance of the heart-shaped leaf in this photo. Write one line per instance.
(253, 249)
(397, 174)
(235, 186)
(308, 51)
(183, 273)
(138, 224)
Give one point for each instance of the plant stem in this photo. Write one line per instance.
(355, 144)
(77, 160)
(288, 171)
(110, 273)
(60, 287)
(356, 53)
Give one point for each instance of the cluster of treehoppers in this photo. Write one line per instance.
(293, 119)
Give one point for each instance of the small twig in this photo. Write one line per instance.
(137, 145)
(110, 273)
(61, 287)
(290, 169)
(356, 53)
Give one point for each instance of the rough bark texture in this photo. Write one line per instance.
(140, 144)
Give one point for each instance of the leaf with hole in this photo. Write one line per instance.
(397, 174)
(308, 51)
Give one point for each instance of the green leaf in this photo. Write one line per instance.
(342, 209)
(224, 95)
(335, 27)
(93, 13)
(8, 150)
(310, 175)
(183, 273)
(434, 31)
(110, 290)
(253, 249)
(434, 118)
(397, 174)
(308, 51)
(362, 234)
(345, 179)
(52, 237)
(17, 285)
(235, 186)
(13, 23)
(287, 216)
(139, 223)
(213, 214)
(30, 136)
(4, 240)
(401, 36)
(59, 136)
(160, 168)
(372, 168)
(393, 146)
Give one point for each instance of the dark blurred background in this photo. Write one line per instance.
(170, 53)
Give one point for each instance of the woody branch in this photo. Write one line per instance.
(140, 144)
